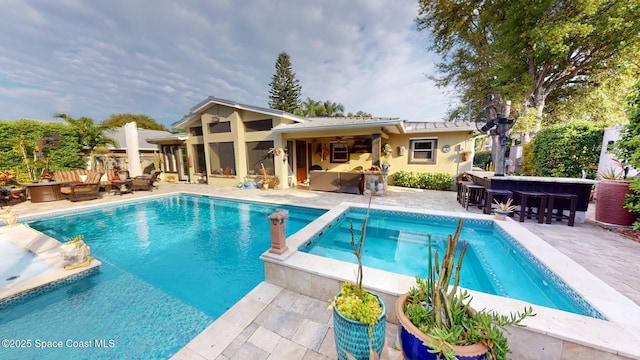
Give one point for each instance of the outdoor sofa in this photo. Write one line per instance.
(336, 181)
(88, 189)
(78, 175)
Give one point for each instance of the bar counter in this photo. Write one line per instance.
(580, 187)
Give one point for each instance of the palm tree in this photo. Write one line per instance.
(89, 134)
(310, 108)
(333, 109)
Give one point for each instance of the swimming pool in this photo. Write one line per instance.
(170, 266)
(495, 263)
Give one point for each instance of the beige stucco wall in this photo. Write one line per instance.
(450, 163)
(239, 137)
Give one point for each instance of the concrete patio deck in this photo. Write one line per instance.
(276, 323)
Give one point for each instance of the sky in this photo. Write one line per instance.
(160, 58)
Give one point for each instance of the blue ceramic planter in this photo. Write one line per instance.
(412, 341)
(353, 336)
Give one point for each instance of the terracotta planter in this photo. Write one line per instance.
(610, 196)
(412, 341)
(465, 156)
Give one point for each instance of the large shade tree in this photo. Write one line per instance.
(285, 88)
(525, 51)
(142, 121)
(603, 104)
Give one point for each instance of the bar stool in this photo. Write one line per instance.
(528, 200)
(490, 194)
(473, 195)
(461, 191)
(558, 201)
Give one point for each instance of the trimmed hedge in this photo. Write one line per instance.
(63, 152)
(564, 151)
(420, 180)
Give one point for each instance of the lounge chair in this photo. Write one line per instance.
(87, 190)
(145, 182)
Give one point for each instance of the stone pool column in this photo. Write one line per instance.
(278, 234)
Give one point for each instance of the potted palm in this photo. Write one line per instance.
(359, 316)
(435, 320)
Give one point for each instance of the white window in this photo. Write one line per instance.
(339, 152)
(422, 151)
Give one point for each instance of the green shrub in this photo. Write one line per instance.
(421, 180)
(627, 149)
(528, 166)
(566, 150)
(61, 150)
(482, 159)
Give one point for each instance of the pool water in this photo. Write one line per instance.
(398, 242)
(170, 266)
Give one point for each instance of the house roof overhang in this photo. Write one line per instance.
(169, 140)
(388, 125)
(415, 127)
(205, 104)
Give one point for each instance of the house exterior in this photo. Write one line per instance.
(229, 143)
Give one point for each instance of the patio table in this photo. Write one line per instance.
(45, 191)
(122, 186)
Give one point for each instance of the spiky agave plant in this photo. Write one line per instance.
(441, 311)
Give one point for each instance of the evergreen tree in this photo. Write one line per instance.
(285, 88)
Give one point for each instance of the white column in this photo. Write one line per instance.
(133, 149)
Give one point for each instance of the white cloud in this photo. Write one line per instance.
(160, 58)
